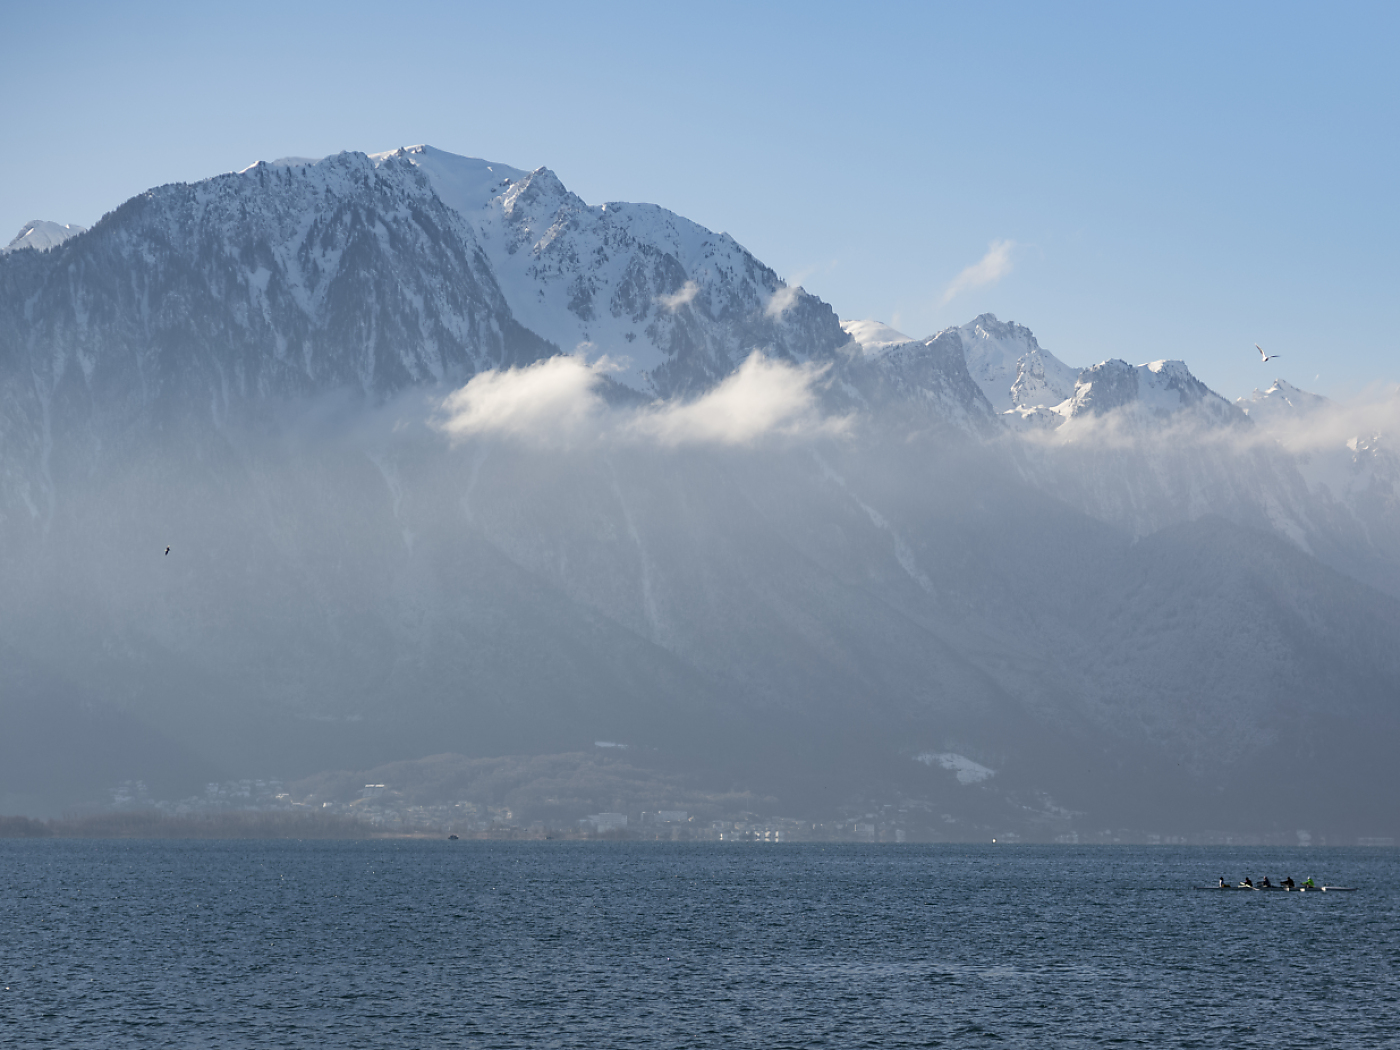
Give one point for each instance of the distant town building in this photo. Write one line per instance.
(605, 821)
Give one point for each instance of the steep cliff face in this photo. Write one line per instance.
(920, 384)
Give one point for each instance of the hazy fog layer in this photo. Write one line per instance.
(799, 609)
(402, 524)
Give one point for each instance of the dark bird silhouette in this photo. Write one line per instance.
(167, 550)
(1267, 357)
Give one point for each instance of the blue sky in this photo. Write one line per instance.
(1169, 180)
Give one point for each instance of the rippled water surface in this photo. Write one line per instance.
(594, 945)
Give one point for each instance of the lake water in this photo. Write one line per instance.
(412, 944)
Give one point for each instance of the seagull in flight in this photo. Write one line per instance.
(1265, 357)
(167, 550)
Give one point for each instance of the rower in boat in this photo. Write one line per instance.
(1265, 884)
(1223, 884)
(1308, 883)
(1246, 884)
(1287, 883)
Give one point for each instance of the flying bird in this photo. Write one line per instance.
(167, 550)
(1265, 357)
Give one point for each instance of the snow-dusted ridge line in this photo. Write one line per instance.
(874, 336)
(1158, 389)
(1030, 387)
(281, 162)
(467, 184)
(680, 307)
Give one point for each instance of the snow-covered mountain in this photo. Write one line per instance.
(1024, 382)
(679, 307)
(1282, 405)
(279, 279)
(1141, 447)
(1158, 391)
(41, 234)
(1129, 598)
(211, 302)
(1011, 368)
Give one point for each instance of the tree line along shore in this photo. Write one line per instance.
(250, 825)
(253, 825)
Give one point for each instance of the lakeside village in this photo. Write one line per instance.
(378, 811)
(264, 809)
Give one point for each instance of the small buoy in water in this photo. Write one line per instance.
(452, 838)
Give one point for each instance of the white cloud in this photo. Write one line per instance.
(1370, 418)
(782, 301)
(549, 400)
(989, 269)
(676, 300)
(1353, 429)
(556, 401)
(763, 397)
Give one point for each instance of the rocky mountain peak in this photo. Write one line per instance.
(539, 195)
(1010, 366)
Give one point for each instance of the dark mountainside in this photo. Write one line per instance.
(252, 371)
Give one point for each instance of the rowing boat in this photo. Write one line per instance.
(1285, 889)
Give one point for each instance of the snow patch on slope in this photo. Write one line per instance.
(466, 184)
(968, 771)
(871, 336)
(281, 162)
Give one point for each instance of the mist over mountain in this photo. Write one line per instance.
(450, 461)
